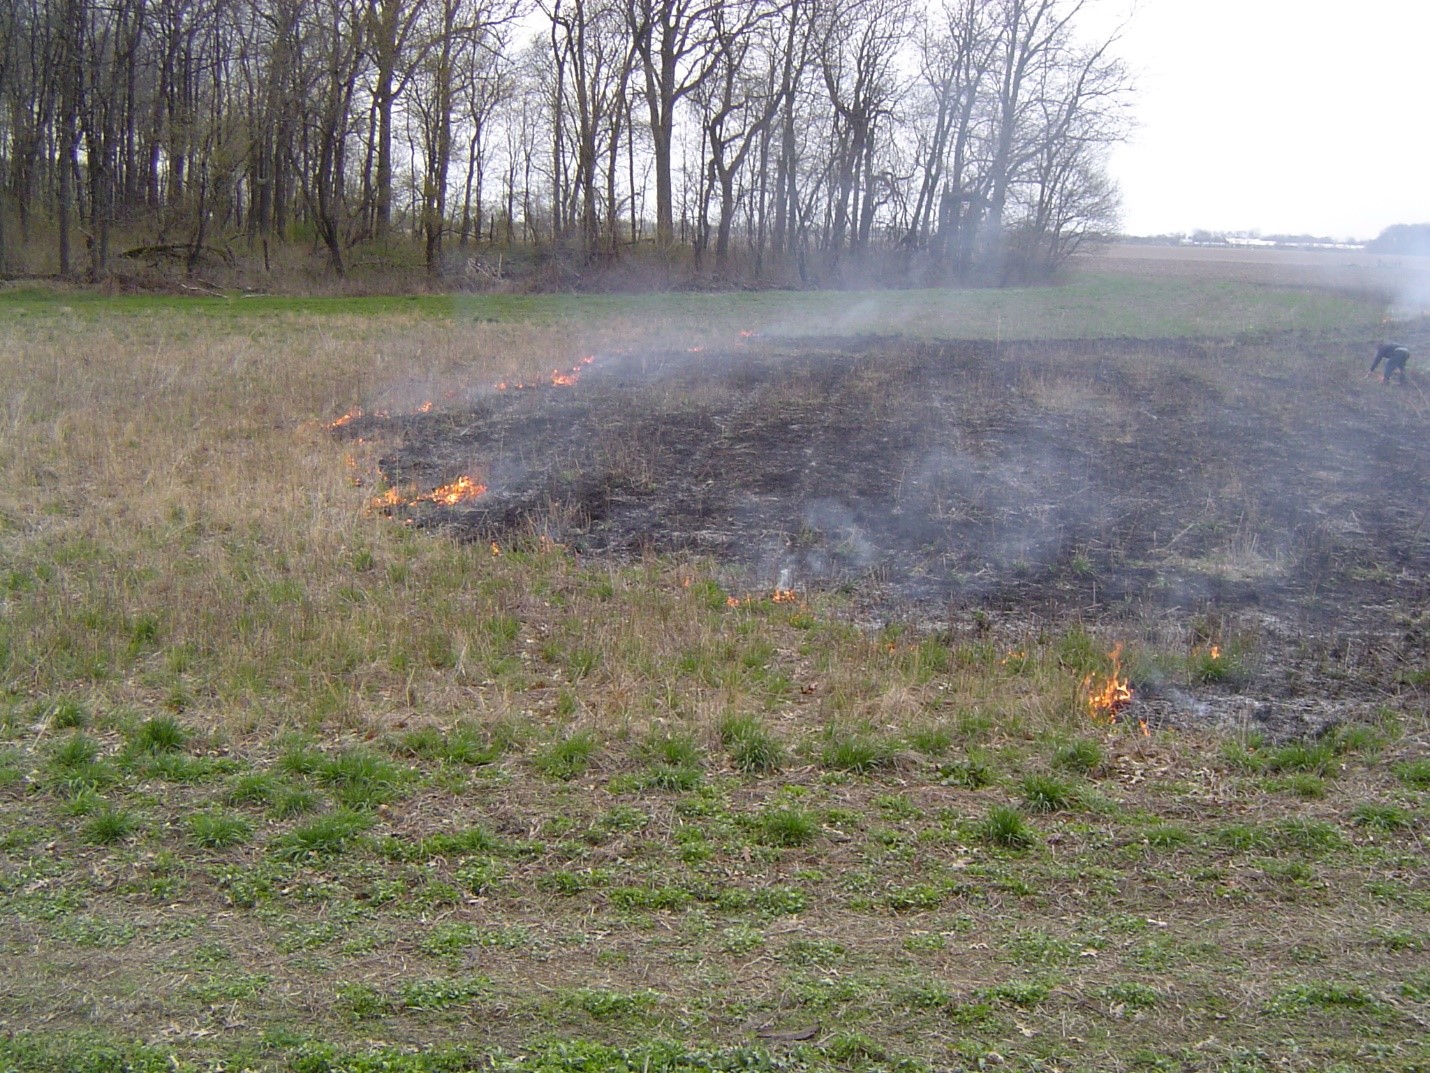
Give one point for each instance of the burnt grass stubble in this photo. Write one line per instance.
(1184, 489)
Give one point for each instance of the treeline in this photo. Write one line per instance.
(774, 140)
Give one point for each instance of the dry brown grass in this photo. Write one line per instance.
(181, 536)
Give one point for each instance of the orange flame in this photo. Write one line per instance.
(351, 415)
(461, 490)
(425, 408)
(784, 596)
(496, 550)
(1104, 701)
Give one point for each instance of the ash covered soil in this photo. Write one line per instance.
(1173, 480)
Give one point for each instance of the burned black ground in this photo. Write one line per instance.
(1107, 479)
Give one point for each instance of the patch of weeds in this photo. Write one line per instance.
(1303, 785)
(362, 779)
(897, 807)
(1287, 871)
(300, 759)
(67, 713)
(516, 937)
(649, 898)
(604, 1004)
(1167, 836)
(361, 1002)
(820, 952)
(570, 883)
(11, 772)
(1044, 793)
(1380, 817)
(917, 897)
(859, 753)
(464, 843)
(1242, 837)
(76, 751)
(230, 987)
(1006, 827)
(1130, 996)
(925, 943)
(326, 836)
(461, 745)
(441, 993)
(1398, 941)
(741, 939)
(180, 767)
(676, 750)
(215, 829)
(750, 745)
(1302, 834)
(1036, 947)
(1324, 994)
(567, 758)
(1079, 652)
(931, 740)
(1414, 773)
(160, 734)
(1082, 756)
(1025, 994)
(973, 772)
(253, 788)
(780, 901)
(853, 1047)
(94, 931)
(479, 876)
(1215, 665)
(672, 777)
(110, 825)
(787, 826)
(447, 941)
(1417, 987)
(1316, 758)
(294, 801)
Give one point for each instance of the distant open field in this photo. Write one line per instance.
(1030, 679)
(1403, 282)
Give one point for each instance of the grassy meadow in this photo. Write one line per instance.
(287, 785)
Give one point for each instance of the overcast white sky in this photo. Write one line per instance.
(1284, 116)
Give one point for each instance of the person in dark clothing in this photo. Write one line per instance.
(1395, 355)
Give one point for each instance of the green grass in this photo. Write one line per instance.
(329, 793)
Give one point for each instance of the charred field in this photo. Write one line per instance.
(874, 694)
(1184, 487)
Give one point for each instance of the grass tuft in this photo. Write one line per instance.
(1006, 827)
(110, 825)
(751, 747)
(567, 758)
(160, 734)
(1044, 793)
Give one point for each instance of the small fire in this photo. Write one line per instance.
(777, 596)
(496, 550)
(695, 350)
(448, 495)
(425, 408)
(1214, 651)
(1104, 701)
(571, 375)
(351, 415)
(748, 333)
(459, 491)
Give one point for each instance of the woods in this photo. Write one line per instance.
(774, 142)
